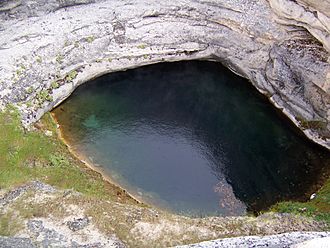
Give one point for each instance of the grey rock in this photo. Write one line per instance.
(12, 242)
(78, 224)
(273, 241)
(17, 192)
(311, 14)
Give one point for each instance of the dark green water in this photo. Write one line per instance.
(191, 137)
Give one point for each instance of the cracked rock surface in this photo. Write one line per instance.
(49, 48)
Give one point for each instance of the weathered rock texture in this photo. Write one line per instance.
(39, 215)
(292, 240)
(48, 48)
(314, 15)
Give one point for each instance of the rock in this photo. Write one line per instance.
(311, 14)
(318, 242)
(271, 241)
(312, 196)
(49, 48)
(78, 224)
(8, 242)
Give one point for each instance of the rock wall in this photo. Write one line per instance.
(314, 15)
(48, 48)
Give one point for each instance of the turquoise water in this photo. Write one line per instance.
(191, 137)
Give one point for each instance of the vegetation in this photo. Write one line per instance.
(71, 75)
(26, 156)
(43, 96)
(55, 85)
(39, 60)
(59, 58)
(312, 124)
(317, 208)
(90, 39)
(142, 46)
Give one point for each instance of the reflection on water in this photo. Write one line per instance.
(191, 137)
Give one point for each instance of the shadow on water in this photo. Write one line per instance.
(193, 137)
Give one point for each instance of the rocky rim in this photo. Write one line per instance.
(49, 48)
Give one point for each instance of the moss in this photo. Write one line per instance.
(98, 60)
(90, 39)
(30, 90)
(71, 75)
(311, 124)
(59, 58)
(67, 43)
(76, 44)
(43, 96)
(39, 60)
(110, 60)
(55, 85)
(142, 46)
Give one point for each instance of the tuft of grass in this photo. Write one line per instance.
(59, 58)
(9, 224)
(43, 96)
(55, 85)
(39, 60)
(90, 39)
(142, 46)
(30, 90)
(71, 75)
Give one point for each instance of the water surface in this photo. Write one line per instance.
(191, 137)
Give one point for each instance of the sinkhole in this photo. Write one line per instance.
(192, 138)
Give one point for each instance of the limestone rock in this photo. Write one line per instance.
(311, 14)
(49, 48)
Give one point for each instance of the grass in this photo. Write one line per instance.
(26, 156)
(9, 224)
(318, 208)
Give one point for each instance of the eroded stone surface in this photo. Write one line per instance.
(48, 48)
(49, 217)
(293, 239)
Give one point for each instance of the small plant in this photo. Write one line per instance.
(145, 56)
(98, 60)
(59, 58)
(39, 60)
(29, 104)
(110, 60)
(43, 96)
(72, 75)
(19, 72)
(142, 46)
(67, 43)
(76, 44)
(30, 90)
(90, 39)
(55, 85)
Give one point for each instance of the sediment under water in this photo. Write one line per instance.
(191, 137)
